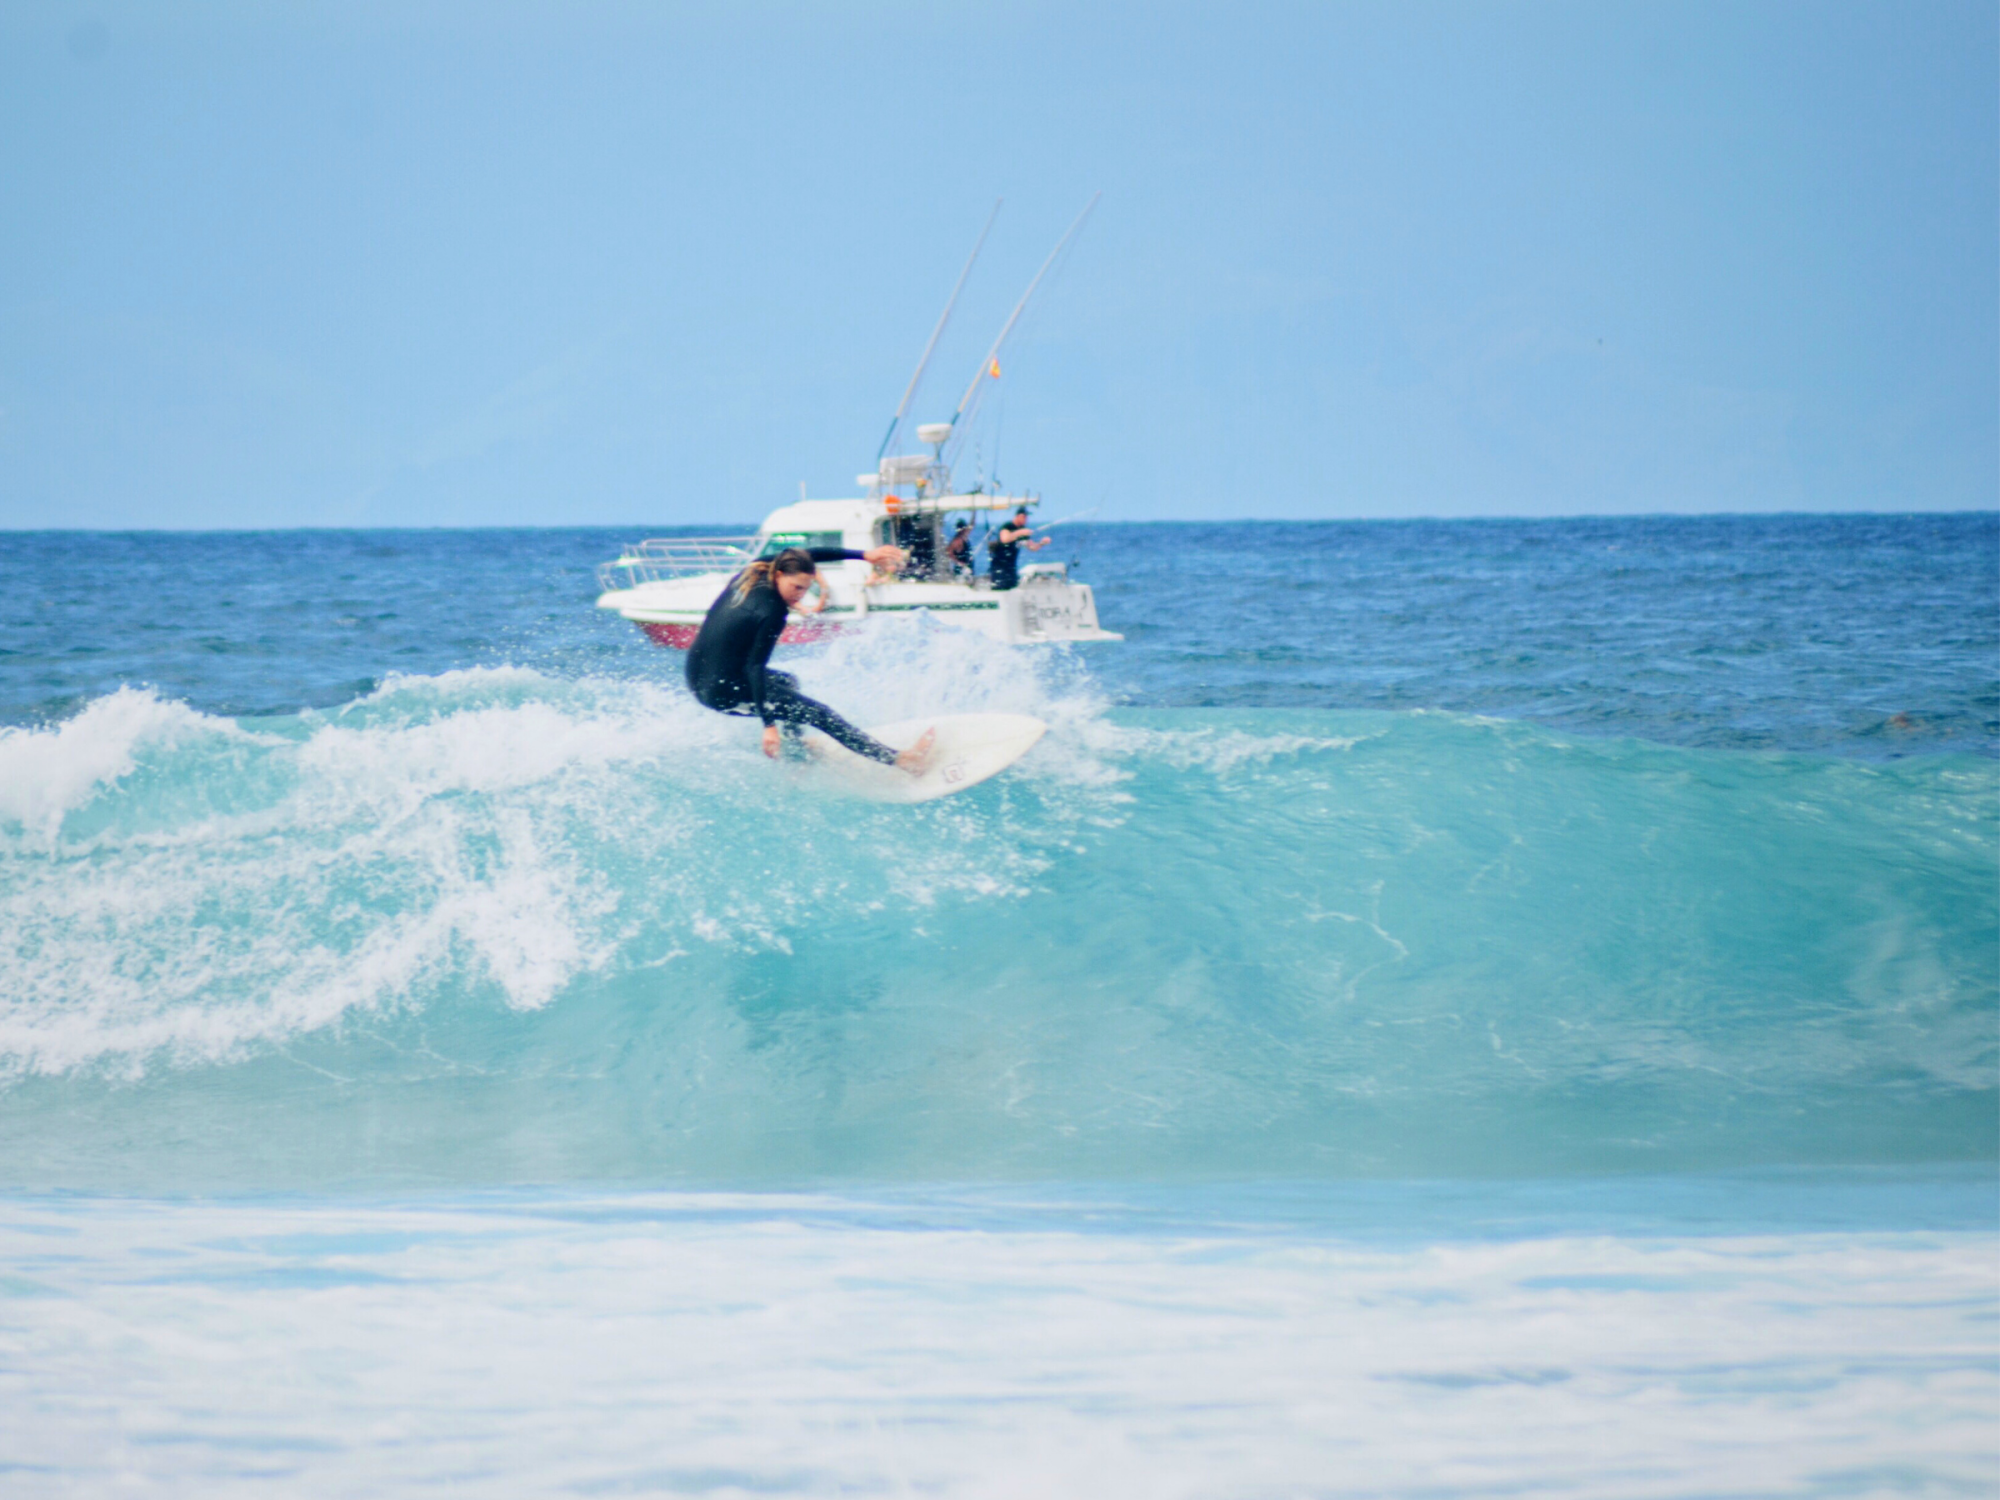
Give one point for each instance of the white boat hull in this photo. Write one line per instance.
(1042, 611)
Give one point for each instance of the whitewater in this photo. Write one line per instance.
(1449, 1008)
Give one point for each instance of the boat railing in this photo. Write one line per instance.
(664, 558)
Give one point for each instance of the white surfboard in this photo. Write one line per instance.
(969, 748)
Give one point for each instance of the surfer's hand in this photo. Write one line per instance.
(885, 559)
(772, 740)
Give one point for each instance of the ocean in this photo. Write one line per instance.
(1450, 1009)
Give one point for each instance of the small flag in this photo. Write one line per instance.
(994, 369)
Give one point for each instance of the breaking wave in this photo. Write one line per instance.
(498, 925)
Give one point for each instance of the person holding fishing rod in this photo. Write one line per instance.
(728, 666)
(1006, 546)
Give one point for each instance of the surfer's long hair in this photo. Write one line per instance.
(767, 569)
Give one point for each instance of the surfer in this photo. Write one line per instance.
(728, 666)
(1006, 548)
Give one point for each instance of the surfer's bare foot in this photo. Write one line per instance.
(918, 756)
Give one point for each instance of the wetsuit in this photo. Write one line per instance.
(728, 666)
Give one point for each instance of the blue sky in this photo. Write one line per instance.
(444, 264)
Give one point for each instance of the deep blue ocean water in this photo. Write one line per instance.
(1450, 1008)
(1865, 636)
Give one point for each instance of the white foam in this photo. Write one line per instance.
(494, 828)
(728, 1344)
(365, 864)
(45, 774)
(903, 669)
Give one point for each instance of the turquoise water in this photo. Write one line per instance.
(1588, 932)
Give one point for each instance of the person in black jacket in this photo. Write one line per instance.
(1006, 545)
(728, 666)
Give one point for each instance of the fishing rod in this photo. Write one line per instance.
(969, 402)
(1082, 515)
(903, 408)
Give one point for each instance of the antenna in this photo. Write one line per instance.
(969, 402)
(936, 333)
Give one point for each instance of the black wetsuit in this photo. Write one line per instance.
(728, 666)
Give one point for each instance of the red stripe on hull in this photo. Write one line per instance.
(680, 637)
(811, 630)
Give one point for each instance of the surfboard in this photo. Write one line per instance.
(969, 749)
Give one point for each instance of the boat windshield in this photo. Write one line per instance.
(778, 541)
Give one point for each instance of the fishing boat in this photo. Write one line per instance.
(666, 585)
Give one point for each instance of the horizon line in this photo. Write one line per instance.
(1657, 515)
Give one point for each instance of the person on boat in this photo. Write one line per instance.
(728, 666)
(958, 551)
(1006, 548)
(917, 535)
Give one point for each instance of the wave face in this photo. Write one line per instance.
(500, 925)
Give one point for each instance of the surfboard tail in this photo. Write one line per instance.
(966, 750)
